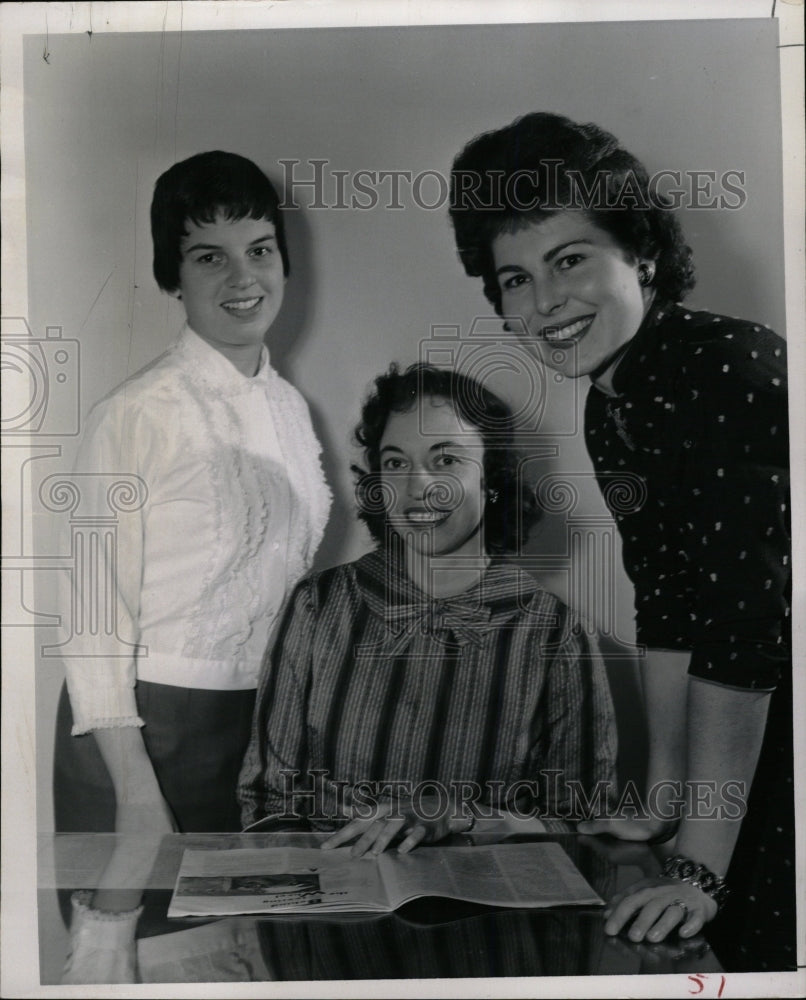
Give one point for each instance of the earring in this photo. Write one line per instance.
(507, 327)
(646, 274)
(492, 496)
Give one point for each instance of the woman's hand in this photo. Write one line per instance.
(657, 906)
(392, 818)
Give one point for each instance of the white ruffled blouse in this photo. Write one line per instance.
(236, 507)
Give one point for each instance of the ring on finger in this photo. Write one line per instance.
(681, 904)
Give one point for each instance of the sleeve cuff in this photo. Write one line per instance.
(748, 666)
(107, 929)
(88, 726)
(100, 702)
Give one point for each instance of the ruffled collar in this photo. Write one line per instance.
(208, 366)
(501, 593)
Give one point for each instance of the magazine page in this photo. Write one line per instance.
(276, 880)
(522, 875)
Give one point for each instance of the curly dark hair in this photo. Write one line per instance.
(507, 520)
(560, 164)
(198, 190)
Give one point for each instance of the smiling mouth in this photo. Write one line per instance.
(426, 518)
(242, 307)
(569, 332)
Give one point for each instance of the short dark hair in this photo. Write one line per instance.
(198, 190)
(569, 165)
(508, 519)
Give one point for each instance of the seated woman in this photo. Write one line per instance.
(432, 671)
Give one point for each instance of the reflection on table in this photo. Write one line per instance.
(426, 938)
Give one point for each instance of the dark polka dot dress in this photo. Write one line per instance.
(699, 428)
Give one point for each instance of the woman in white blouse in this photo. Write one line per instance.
(235, 508)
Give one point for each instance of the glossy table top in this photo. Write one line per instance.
(426, 938)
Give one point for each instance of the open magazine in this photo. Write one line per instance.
(298, 880)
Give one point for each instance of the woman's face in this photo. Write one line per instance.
(432, 467)
(231, 280)
(570, 292)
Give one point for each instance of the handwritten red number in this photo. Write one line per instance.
(698, 983)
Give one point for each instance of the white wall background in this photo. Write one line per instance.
(106, 114)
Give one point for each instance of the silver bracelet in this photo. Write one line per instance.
(685, 870)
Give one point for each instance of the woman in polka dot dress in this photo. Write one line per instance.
(587, 265)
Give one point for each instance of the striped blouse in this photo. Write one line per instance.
(370, 681)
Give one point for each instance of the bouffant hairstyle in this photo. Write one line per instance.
(200, 189)
(542, 163)
(508, 518)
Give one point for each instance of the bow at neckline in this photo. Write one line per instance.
(462, 615)
(464, 619)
